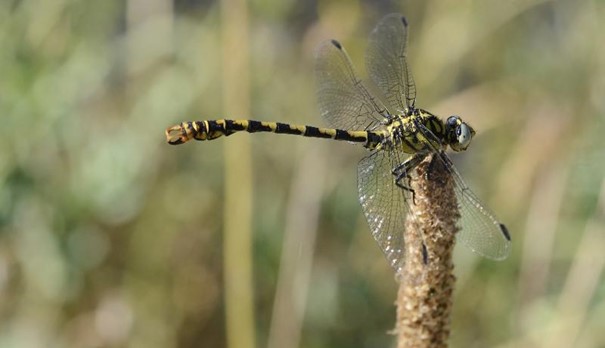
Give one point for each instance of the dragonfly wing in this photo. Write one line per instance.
(343, 100)
(386, 61)
(384, 204)
(481, 231)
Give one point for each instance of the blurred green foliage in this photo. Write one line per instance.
(111, 238)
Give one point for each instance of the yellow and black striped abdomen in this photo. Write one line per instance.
(212, 129)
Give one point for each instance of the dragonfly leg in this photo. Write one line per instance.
(404, 187)
(403, 170)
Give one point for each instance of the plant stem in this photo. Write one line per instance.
(424, 299)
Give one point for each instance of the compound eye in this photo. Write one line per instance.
(463, 135)
(452, 121)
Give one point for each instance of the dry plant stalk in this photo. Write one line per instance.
(424, 299)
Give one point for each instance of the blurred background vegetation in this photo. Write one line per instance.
(109, 237)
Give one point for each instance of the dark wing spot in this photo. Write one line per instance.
(404, 21)
(505, 232)
(337, 44)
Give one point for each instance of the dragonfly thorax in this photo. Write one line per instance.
(414, 131)
(417, 130)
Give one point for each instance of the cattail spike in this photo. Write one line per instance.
(424, 299)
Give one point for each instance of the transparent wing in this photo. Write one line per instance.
(480, 229)
(384, 204)
(343, 100)
(387, 63)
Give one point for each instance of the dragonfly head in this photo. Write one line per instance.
(458, 133)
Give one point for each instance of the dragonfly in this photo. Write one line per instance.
(398, 135)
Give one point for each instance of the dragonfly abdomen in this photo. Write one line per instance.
(212, 129)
